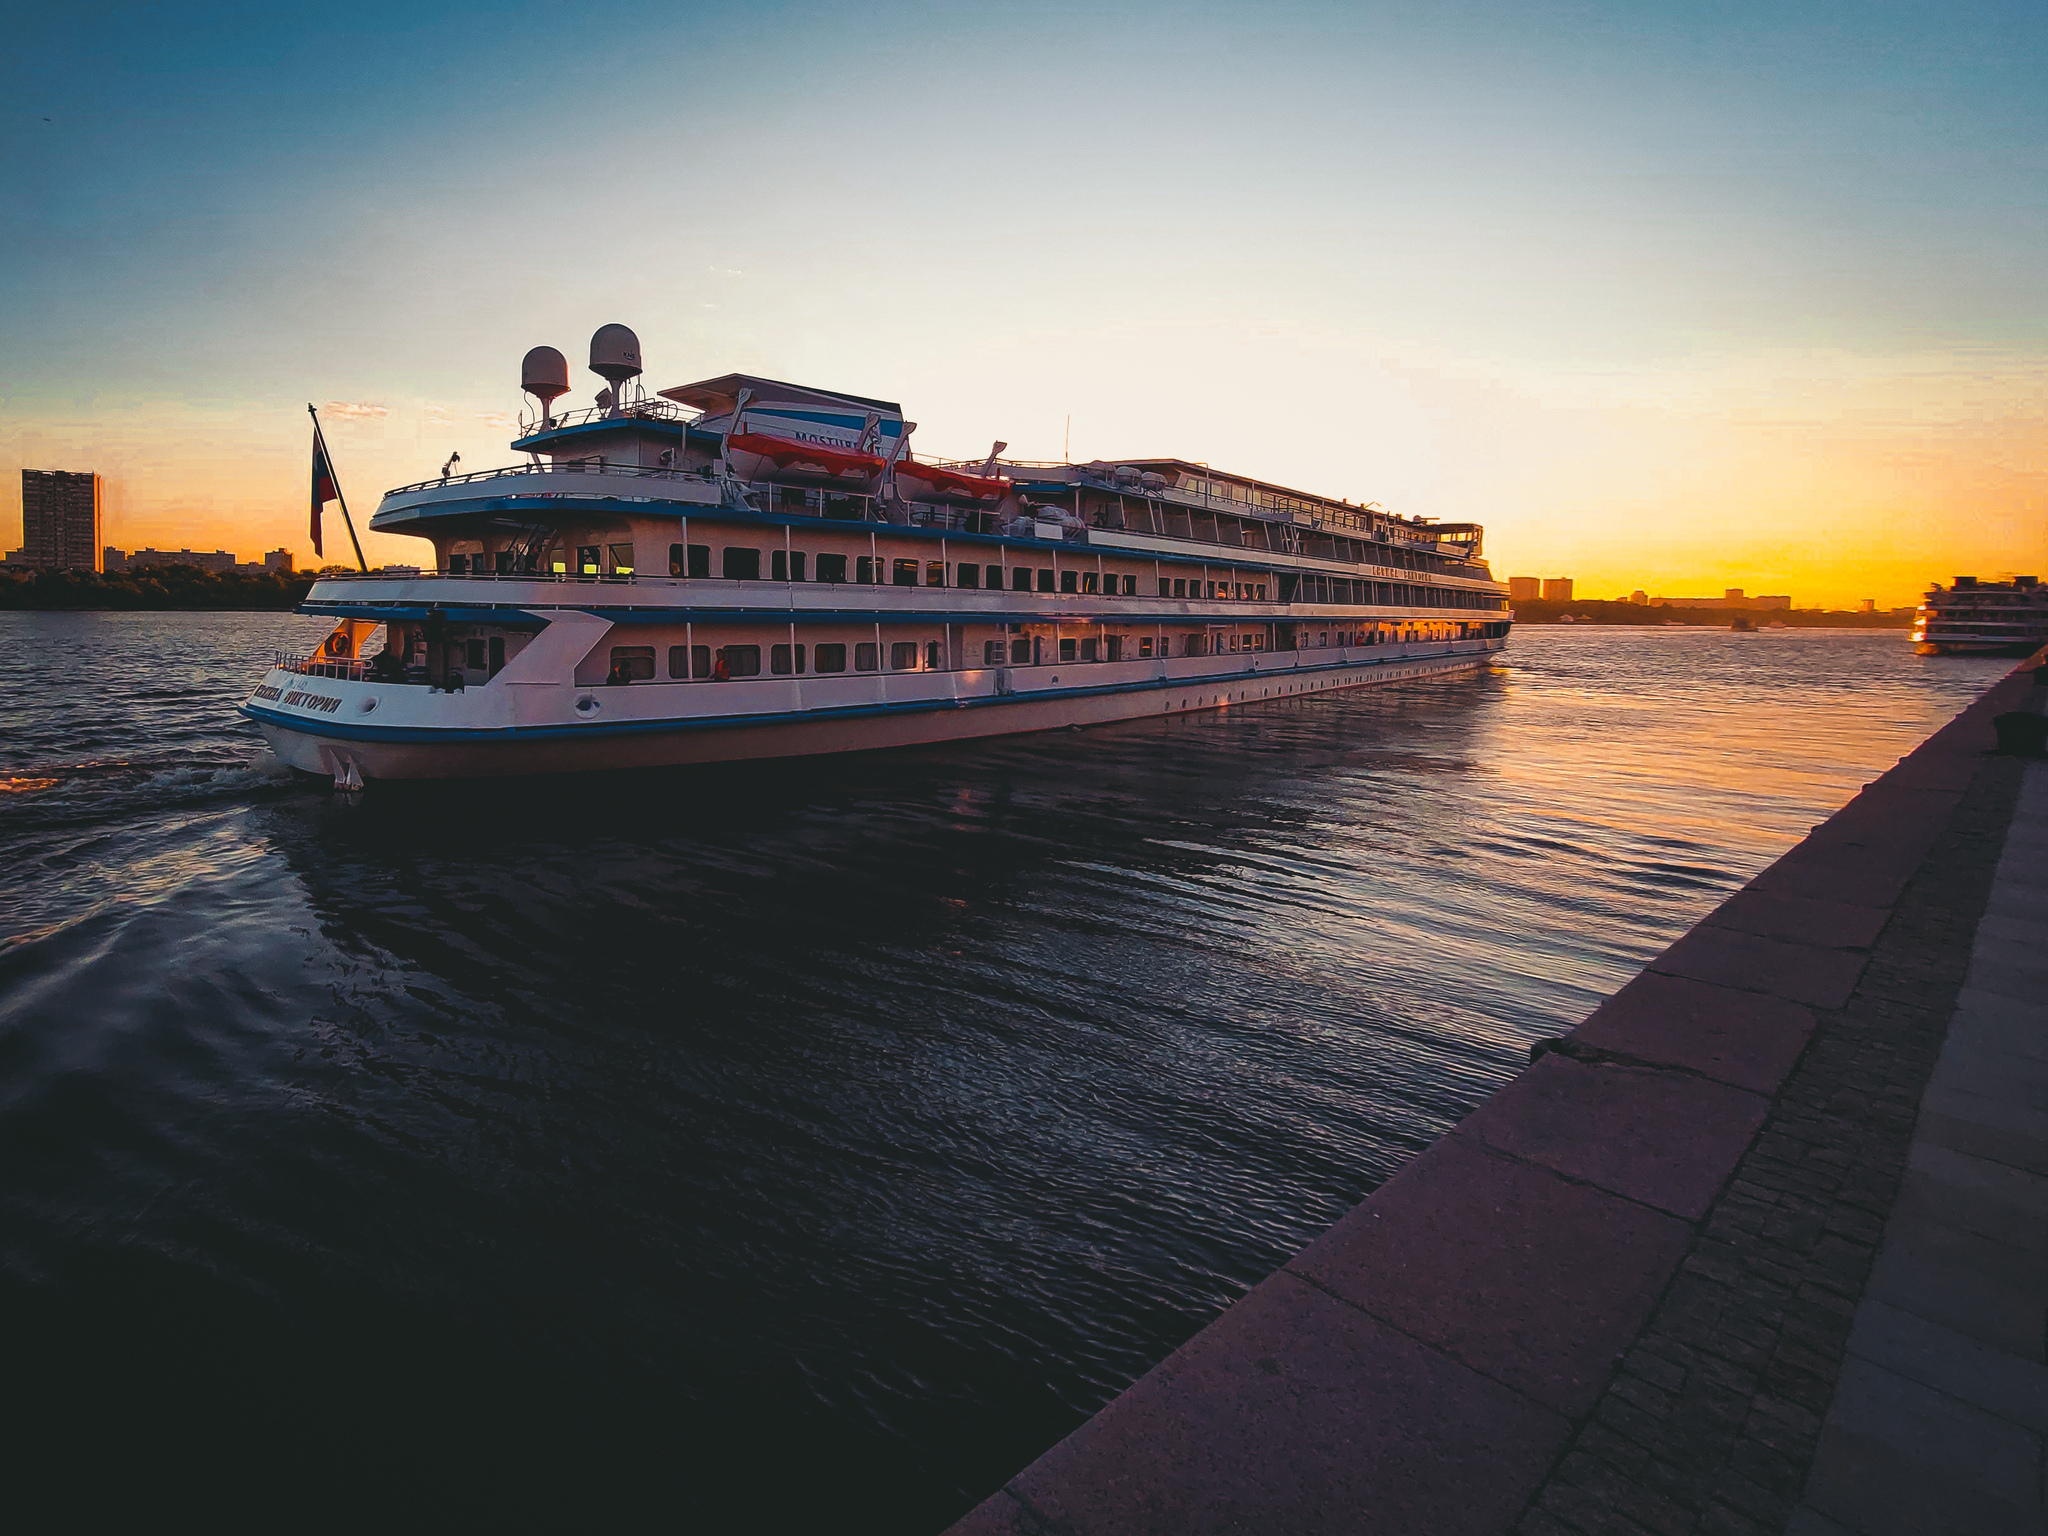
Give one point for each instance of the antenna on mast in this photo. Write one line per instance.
(544, 374)
(614, 357)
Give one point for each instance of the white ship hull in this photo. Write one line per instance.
(639, 726)
(667, 590)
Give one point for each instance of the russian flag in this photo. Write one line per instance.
(323, 485)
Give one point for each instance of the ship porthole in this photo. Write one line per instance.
(367, 705)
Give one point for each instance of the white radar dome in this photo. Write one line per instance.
(615, 353)
(544, 374)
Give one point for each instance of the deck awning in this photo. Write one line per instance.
(718, 397)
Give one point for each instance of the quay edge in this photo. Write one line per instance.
(1621, 1289)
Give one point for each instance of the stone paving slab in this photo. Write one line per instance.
(1742, 1038)
(1294, 1412)
(2009, 971)
(1532, 1279)
(1797, 973)
(1801, 919)
(2001, 1383)
(1969, 1122)
(1667, 1139)
(1621, 1297)
(1937, 770)
(1868, 882)
(1903, 1459)
(1993, 1200)
(1976, 1285)
(1987, 1069)
(2007, 1024)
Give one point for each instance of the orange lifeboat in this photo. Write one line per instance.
(755, 456)
(928, 482)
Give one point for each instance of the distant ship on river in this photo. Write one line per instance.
(1982, 618)
(744, 568)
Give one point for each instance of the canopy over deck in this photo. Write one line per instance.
(718, 397)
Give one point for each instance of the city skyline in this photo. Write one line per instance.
(1659, 297)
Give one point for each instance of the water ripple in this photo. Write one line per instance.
(880, 1116)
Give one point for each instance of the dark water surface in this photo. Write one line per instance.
(801, 1146)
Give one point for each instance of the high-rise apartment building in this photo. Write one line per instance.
(60, 520)
(278, 560)
(1524, 589)
(1557, 589)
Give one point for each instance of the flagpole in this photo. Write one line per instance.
(363, 564)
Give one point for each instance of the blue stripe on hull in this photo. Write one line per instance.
(428, 735)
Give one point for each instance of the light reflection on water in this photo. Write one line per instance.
(881, 1115)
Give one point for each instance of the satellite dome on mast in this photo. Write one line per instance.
(544, 374)
(615, 354)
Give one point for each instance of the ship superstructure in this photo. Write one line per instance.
(742, 568)
(1982, 618)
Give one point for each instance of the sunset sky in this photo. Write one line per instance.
(1668, 297)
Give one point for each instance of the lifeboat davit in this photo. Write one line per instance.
(755, 456)
(928, 482)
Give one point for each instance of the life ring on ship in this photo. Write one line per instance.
(338, 645)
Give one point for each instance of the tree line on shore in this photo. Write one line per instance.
(155, 587)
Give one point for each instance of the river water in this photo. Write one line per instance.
(806, 1145)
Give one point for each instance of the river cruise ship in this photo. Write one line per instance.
(742, 568)
(1982, 618)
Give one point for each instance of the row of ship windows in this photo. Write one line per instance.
(635, 663)
(741, 564)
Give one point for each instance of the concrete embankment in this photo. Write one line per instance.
(1619, 1295)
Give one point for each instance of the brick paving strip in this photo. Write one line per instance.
(1618, 1297)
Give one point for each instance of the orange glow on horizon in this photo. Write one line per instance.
(1874, 487)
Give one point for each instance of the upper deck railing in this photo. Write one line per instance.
(855, 507)
(319, 666)
(1266, 506)
(560, 467)
(639, 410)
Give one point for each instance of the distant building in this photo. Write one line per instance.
(1731, 597)
(15, 557)
(219, 561)
(1557, 589)
(60, 520)
(1524, 589)
(1639, 597)
(113, 561)
(278, 560)
(1867, 605)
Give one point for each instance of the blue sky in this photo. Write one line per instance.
(1607, 278)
